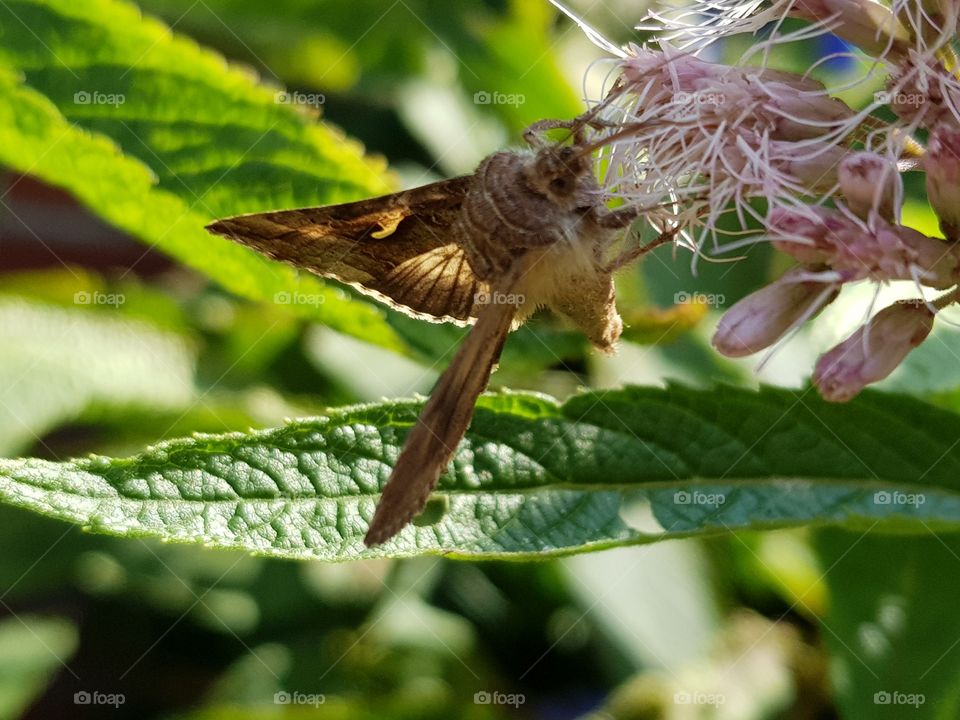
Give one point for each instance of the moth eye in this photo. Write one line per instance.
(559, 185)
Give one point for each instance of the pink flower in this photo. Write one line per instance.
(813, 167)
(871, 184)
(922, 93)
(873, 351)
(881, 251)
(763, 317)
(778, 105)
(942, 165)
(711, 149)
(694, 137)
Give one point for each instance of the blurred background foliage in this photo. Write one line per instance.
(764, 621)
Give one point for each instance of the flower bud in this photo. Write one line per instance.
(873, 352)
(880, 252)
(679, 72)
(871, 184)
(922, 93)
(815, 166)
(781, 105)
(763, 317)
(942, 165)
(800, 115)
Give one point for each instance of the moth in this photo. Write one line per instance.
(529, 229)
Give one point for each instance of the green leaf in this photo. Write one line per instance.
(57, 364)
(892, 626)
(33, 650)
(932, 368)
(533, 477)
(506, 50)
(519, 53)
(158, 137)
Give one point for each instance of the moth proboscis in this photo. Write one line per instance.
(530, 228)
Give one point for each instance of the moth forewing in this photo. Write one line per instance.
(398, 248)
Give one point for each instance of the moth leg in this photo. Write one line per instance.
(619, 218)
(629, 256)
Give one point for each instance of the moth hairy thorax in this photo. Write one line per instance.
(529, 229)
(543, 206)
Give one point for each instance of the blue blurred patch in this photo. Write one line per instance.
(830, 45)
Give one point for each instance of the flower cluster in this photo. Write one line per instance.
(695, 140)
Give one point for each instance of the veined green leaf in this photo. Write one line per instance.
(534, 477)
(158, 137)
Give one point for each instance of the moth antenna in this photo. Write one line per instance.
(443, 421)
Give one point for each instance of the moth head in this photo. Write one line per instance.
(563, 174)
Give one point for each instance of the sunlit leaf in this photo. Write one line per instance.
(57, 364)
(158, 137)
(533, 477)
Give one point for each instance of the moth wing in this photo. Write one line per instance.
(443, 421)
(397, 248)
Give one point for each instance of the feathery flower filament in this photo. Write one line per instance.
(821, 180)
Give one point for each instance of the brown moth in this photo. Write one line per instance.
(529, 229)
